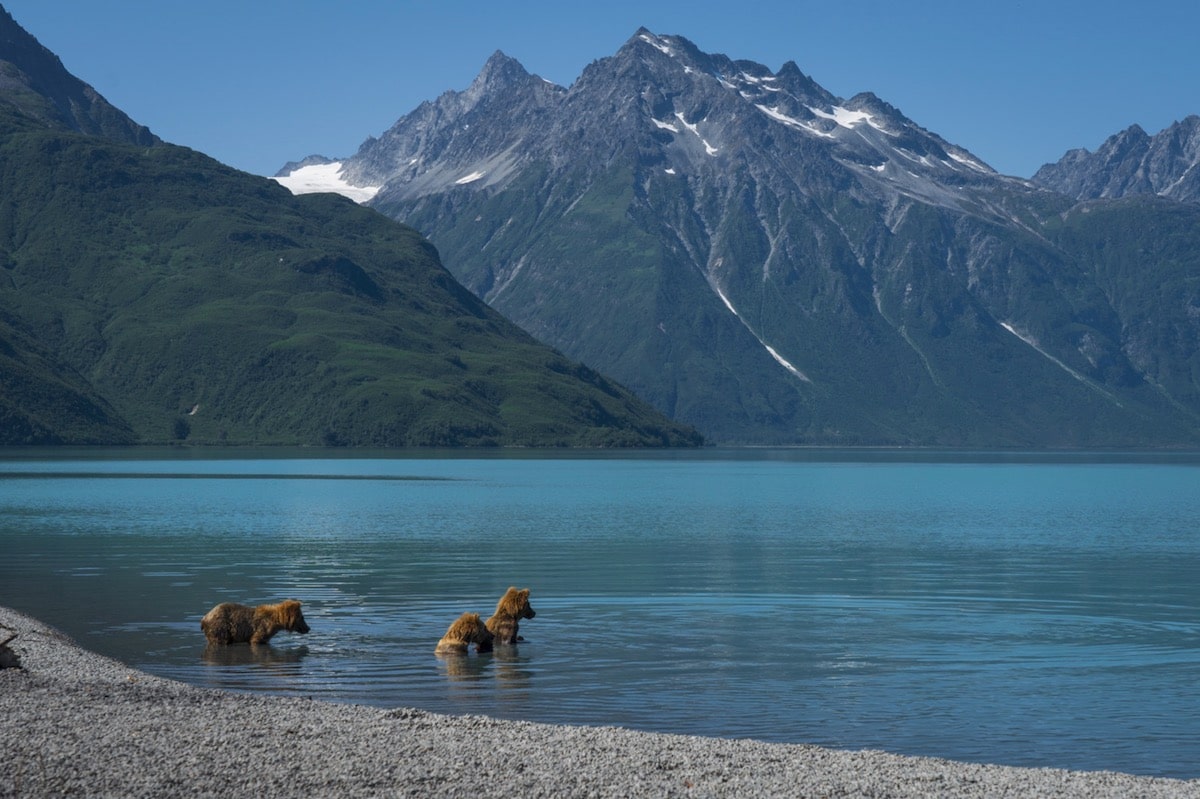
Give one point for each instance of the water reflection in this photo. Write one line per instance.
(463, 667)
(505, 664)
(249, 655)
(514, 674)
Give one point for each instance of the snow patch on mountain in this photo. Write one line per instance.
(1033, 342)
(845, 117)
(774, 113)
(783, 362)
(656, 44)
(746, 76)
(325, 179)
(471, 178)
(967, 161)
(708, 148)
(770, 350)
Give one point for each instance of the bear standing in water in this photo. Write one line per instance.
(512, 607)
(231, 623)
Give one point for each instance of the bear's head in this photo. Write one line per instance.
(515, 604)
(290, 617)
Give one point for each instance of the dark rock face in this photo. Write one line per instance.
(34, 80)
(1132, 162)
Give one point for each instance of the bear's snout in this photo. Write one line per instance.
(302, 626)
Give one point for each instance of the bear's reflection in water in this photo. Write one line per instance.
(251, 655)
(506, 664)
(512, 667)
(462, 667)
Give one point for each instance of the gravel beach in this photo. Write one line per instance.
(79, 724)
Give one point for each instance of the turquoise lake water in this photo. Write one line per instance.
(1026, 609)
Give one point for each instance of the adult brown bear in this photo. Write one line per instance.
(512, 607)
(231, 623)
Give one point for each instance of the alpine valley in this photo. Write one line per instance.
(149, 294)
(776, 265)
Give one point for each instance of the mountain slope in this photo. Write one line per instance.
(774, 264)
(150, 294)
(34, 83)
(1132, 162)
(43, 402)
(208, 305)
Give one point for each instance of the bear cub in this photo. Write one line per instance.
(467, 629)
(512, 607)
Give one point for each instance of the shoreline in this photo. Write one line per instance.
(80, 724)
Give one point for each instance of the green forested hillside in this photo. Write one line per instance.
(149, 294)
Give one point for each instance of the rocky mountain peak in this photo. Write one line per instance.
(461, 138)
(802, 86)
(1132, 162)
(34, 81)
(776, 264)
(665, 103)
(500, 74)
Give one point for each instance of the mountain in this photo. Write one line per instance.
(1132, 162)
(150, 294)
(37, 87)
(777, 265)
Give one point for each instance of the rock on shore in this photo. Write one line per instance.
(78, 724)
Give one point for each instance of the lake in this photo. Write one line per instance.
(1036, 609)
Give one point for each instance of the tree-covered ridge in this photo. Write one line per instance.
(149, 294)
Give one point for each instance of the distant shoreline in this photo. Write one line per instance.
(77, 723)
(704, 451)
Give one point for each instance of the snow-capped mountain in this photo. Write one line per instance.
(481, 136)
(775, 264)
(1132, 162)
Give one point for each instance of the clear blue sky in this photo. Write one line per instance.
(256, 83)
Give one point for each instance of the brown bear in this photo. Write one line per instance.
(467, 629)
(503, 624)
(231, 623)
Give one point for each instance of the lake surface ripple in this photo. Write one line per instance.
(1027, 609)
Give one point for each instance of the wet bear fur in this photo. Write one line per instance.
(467, 629)
(504, 623)
(231, 623)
